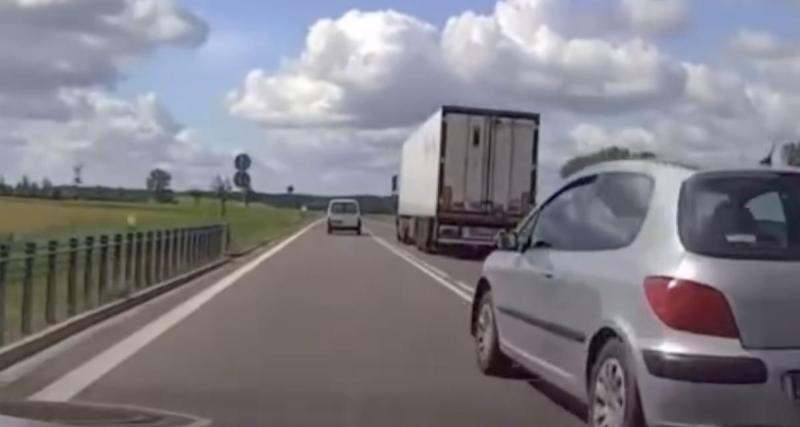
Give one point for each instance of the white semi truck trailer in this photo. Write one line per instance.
(466, 174)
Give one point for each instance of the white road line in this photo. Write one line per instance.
(85, 375)
(466, 296)
(465, 287)
(441, 273)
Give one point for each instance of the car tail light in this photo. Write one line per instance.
(689, 306)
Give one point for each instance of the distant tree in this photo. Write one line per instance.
(196, 195)
(791, 154)
(221, 187)
(158, 183)
(23, 188)
(47, 189)
(5, 190)
(604, 155)
(290, 190)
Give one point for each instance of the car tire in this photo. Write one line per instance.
(613, 392)
(358, 231)
(330, 229)
(491, 360)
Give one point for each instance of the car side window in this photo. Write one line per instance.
(602, 212)
(770, 217)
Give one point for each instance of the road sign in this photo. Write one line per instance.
(243, 162)
(242, 180)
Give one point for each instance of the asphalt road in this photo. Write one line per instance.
(330, 331)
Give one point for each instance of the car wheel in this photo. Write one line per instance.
(491, 359)
(358, 231)
(330, 230)
(613, 393)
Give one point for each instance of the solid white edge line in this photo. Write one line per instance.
(77, 380)
(423, 268)
(465, 287)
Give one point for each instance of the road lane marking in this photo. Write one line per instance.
(422, 266)
(465, 287)
(71, 384)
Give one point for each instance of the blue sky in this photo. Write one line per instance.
(703, 79)
(256, 34)
(247, 35)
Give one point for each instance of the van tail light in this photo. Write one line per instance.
(691, 307)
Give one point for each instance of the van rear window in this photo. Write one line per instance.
(742, 215)
(344, 208)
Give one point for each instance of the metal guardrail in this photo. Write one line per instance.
(44, 284)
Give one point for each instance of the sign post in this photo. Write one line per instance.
(243, 162)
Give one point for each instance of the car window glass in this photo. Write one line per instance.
(604, 213)
(344, 208)
(768, 212)
(742, 215)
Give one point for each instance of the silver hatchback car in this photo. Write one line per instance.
(657, 294)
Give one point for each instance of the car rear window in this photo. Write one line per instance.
(346, 208)
(743, 215)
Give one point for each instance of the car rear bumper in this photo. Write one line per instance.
(344, 223)
(692, 390)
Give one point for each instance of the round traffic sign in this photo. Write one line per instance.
(242, 179)
(243, 162)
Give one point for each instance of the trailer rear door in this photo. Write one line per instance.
(511, 164)
(466, 162)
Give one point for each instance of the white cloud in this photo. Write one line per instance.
(379, 69)
(589, 138)
(58, 61)
(656, 16)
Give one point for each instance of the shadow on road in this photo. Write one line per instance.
(560, 398)
(463, 253)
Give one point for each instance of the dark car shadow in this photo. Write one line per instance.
(463, 253)
(561, 398)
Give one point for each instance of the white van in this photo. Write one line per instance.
(344, 214)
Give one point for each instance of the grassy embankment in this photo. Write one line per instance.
(24, 220)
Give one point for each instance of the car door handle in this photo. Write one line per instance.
(547, 274)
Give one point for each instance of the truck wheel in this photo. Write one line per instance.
(491, 360)
(613, 393)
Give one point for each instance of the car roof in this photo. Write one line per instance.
(675, 169)
(344, 201)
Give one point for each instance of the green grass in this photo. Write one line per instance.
(30, 219)
(24, 220)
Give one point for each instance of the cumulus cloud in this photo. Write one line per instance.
(382, 69)
(56, 107)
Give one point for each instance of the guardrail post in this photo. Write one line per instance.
(176, 242)
(87, 273)
(150, 275)
(50, 300)
(72, 272)
(102, 280)
(165, 255)
(116, 265)
(227, 237)
(192, 242)
(129, 263)
(157, 254)
(4, 254)
(27, 290)
(138, 265)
